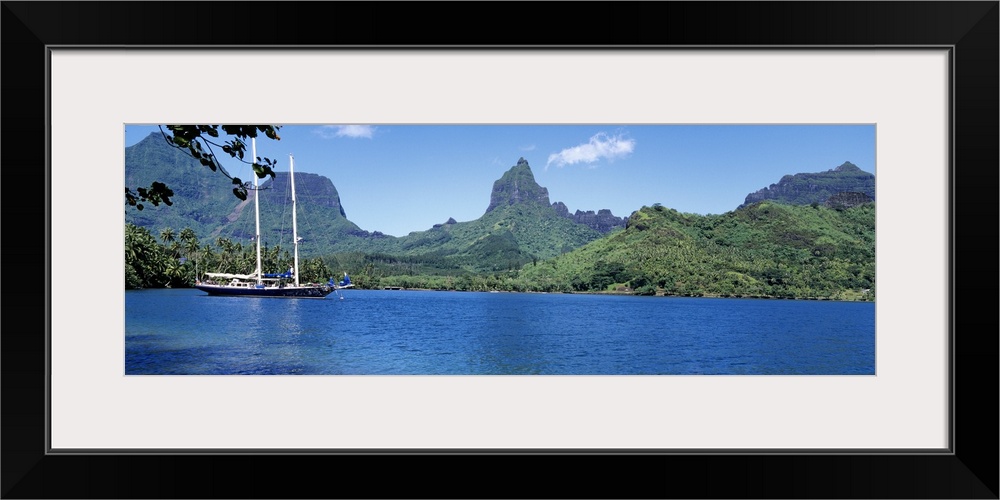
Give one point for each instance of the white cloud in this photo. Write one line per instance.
(353, 131)
(600, 146)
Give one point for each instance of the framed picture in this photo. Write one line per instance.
(928, 86)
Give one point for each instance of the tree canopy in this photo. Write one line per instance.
(201, 142)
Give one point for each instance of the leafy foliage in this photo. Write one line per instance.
(207, 201)
(179, 261)
(211, 211)
(503, 239)
(508, 236)
(199, 142)
(764, 250)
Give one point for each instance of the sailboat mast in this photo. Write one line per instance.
(295, 230)
(256, 209)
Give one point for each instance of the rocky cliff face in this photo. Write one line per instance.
(603, 221)
(517, 185)
(807, 188)
(314, 189)
(847, 199)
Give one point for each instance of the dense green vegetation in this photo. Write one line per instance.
(320, 220)
(178, 259)
(206, 205)
(503, 239)
(207, 199)
(519, 227)
(764, 250)
(200, 144)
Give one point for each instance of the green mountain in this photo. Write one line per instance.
(202, 199)
(519, 226)
(204, 202)
(517, 186)
(819, 187)
(766, 249)
(321, 220)
(799, 247)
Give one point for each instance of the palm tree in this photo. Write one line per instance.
(145, 259)
(226, 250)
(167, 235)
(190, 240)
(174, 272)
(191, 246)
(209, 258)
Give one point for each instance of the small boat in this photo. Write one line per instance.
(258, 284)
(344, 283)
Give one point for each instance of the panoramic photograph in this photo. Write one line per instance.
(583, 249)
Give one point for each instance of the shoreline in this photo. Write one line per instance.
(626, 293)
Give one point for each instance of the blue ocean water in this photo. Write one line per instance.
(404, 332)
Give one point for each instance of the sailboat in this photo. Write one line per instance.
(259, 284)
(344, 283)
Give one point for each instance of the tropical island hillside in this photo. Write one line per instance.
(822, 249)
(519, 226)
(807, 236)
(767, 249)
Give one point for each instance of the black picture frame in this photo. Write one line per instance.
(970, 471)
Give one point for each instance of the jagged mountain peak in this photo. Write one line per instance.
(517, 185)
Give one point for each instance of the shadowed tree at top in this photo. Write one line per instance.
(200, 142)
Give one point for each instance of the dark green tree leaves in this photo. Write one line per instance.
(200, 142)
(156, 193)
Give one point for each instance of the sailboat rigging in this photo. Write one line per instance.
(259, 284)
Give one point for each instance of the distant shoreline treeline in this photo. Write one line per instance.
(764, 250)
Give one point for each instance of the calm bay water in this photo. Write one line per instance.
(381, 332)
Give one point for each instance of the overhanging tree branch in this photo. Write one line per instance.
(190, 140)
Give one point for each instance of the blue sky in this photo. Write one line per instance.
(402, 178)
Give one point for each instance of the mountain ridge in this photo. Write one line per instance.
(520, 225)
(204, 202)
(780, 247)
(816, 187)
